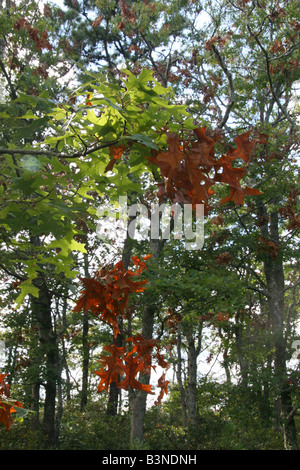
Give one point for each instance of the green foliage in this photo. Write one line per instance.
(94, 430)
(91, 430)
(49, 190)
(226, 421)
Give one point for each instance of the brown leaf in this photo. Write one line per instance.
(116, 152)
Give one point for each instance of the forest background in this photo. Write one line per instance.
(140, 343)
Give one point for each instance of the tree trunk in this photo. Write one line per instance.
(33, 378)
(265, 407)
(85, 362)
(192, 380)
(114, 392)
(85, 348)
(114, 397)
(60, 405)
(193, 353)
(225, 359)
(138, 398)
(274, 273)
(67, 371)
(48, 350)
(179, 378)
(35, 406)
(238, 330)
(41, 310)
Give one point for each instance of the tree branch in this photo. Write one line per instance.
(50, 153)
(13, 93)
(10, 273)
(293, 412)
(231, 87)
(276, 98)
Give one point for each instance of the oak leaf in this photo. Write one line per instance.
(244, 147)
(190, 169)
(142, 348)
(7, 407)
(133, 367)
(112, 367)
(163, 384)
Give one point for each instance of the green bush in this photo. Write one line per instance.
(93, 430)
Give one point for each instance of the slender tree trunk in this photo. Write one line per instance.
(85, 348)
(67, 371)
(138, 398)
(60, 405)
(225, 359)
(33, 378)
(192, 380)
(64, 357)
(240, 351)
(35, 406)
(266, 408)
(274, 273)
(179, 378)
(41, 310)
(61, 360)
(193, 353)
(48, 349)
(114, 392)
(85, 362)
(275, 289)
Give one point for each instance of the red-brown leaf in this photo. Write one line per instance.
(134, 366)
(116, 152)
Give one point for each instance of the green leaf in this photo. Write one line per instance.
(144, 139)
(28, 115)
(67, 244)
(27, 288)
